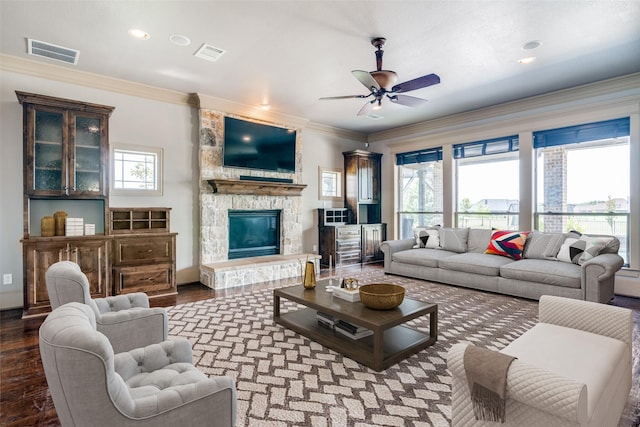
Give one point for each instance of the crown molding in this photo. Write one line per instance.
(336, 132)
(208, 102)
(97, 81)
(625, 88)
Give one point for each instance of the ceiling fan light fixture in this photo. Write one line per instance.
(378, 105)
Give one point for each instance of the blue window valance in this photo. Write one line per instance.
(486, 147)
(582, 133)
(421, 156)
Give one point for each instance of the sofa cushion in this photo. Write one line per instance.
(424, 257)
(454, 239)
(429, 238)
(571, 250)
(594, 360)
(487, 265)
(543, 271)
(416, 235)
(541, 245)
(507, 243)
(478, 239)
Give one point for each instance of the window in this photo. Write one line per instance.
(420, 189)
(136, 170)
(488, 190)
(583, 180)
(330, 185)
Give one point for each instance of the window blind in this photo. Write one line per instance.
(581, 133)
(421, 156)
(485, 148)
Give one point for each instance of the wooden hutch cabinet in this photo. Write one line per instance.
(66, 168)
(357, 236)
(144, 251)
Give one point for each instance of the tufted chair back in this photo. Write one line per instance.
(67, 283)
(126, 319)
(152, 386)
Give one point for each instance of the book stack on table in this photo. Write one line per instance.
(326, 320)
(352, 331)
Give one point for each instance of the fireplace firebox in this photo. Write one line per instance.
(253, 233)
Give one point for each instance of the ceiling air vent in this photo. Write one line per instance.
(52, 51)
(210, 53)
(374, 117)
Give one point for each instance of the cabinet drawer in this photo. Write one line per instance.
(154, 279)
(142, 250)
(348, 232)
(351, 257)
(347, 245)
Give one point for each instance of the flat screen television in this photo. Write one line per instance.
(258, 146)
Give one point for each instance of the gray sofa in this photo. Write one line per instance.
(460, 259)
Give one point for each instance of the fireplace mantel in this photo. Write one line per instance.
(241, 186)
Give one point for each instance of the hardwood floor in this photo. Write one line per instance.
(24, 396)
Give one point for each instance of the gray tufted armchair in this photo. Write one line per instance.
(152, 386)
(126, 320)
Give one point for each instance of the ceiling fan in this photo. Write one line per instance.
(381, 83)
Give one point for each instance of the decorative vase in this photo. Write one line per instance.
(60, 217)
(47, 226)
(309, 281)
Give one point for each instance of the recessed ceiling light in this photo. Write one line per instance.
(139, 34)
(534, 44)
(527, 60)
(265, 106)
(180, 40)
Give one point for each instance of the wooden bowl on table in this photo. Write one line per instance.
(381, 296)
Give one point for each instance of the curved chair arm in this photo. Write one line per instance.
(531, 386)
(133, 328)
(122, 302)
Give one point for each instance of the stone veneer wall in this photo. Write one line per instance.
(213, 207)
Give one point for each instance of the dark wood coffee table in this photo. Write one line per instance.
(391, 342)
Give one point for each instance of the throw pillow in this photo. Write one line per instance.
(507, 243)
(454, 239)
(416, 234)
(571, 250)
(543, 245)
(594, 246)
(429, 239)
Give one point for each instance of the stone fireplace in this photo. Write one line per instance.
(224, 190)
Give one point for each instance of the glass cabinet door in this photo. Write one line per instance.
(48, 152)
(87, 155)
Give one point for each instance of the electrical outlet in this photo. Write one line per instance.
(7, 279)
(315, 248)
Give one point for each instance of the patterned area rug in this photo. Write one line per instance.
(284, 379)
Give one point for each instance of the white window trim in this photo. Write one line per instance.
(133, 191)
(322, 196)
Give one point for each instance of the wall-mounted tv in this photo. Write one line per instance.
(258, 146)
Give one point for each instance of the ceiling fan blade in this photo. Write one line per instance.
(409, 101)
(343, 97)
(419, 83)
(366, 108)
(365, 78)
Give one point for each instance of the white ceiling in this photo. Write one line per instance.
(290, 53)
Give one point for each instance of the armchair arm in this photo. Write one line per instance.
(527, 385)
(598, 275)
(152, 357)
(601, 319)
(133, 328)
(122, 302)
